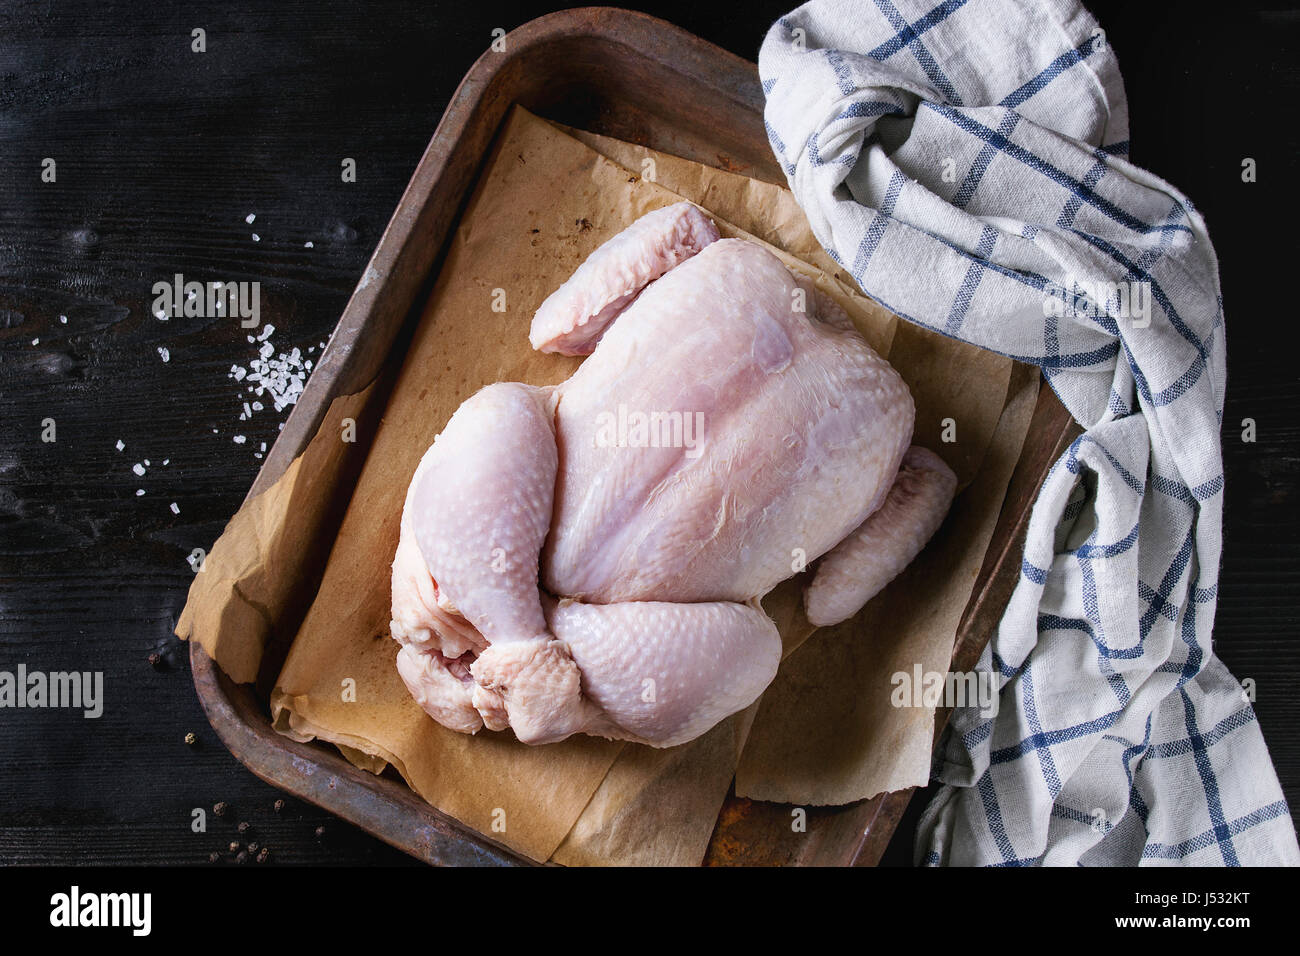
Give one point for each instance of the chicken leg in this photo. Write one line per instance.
(465, 574)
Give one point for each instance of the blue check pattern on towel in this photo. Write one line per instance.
(966, 162)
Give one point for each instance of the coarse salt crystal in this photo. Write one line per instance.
(165, 354)
(120, 445)
(240, 439)
(36, 341)
(161, 315)
(250, 217)
(63, 319)
(139, 492)
(138, 468)
(279, 375)
(309, 245)
(256, 237)
(175, 509)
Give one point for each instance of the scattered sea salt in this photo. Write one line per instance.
(271, 379)
(256, 237)
(138, 468)
(120, 445)
(63, 319)
(175, 509)
(165, 354)
(139, 492)
(250, 217)
(309, 244)
(36, 341)
(161, 315)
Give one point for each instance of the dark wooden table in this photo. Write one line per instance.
(161, 153)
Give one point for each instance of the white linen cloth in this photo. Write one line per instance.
(966, 162)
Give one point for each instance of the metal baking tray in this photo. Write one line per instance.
(640, 79)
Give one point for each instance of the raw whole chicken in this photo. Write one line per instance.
(589, 557)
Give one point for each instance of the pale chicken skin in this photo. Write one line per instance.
(590, 557)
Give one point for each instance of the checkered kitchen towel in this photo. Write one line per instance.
(966, 163)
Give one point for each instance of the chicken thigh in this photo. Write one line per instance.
(590, 557)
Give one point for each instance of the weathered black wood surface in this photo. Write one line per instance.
(161, 154)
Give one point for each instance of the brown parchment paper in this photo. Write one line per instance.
(236, 599)
(544, 202)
